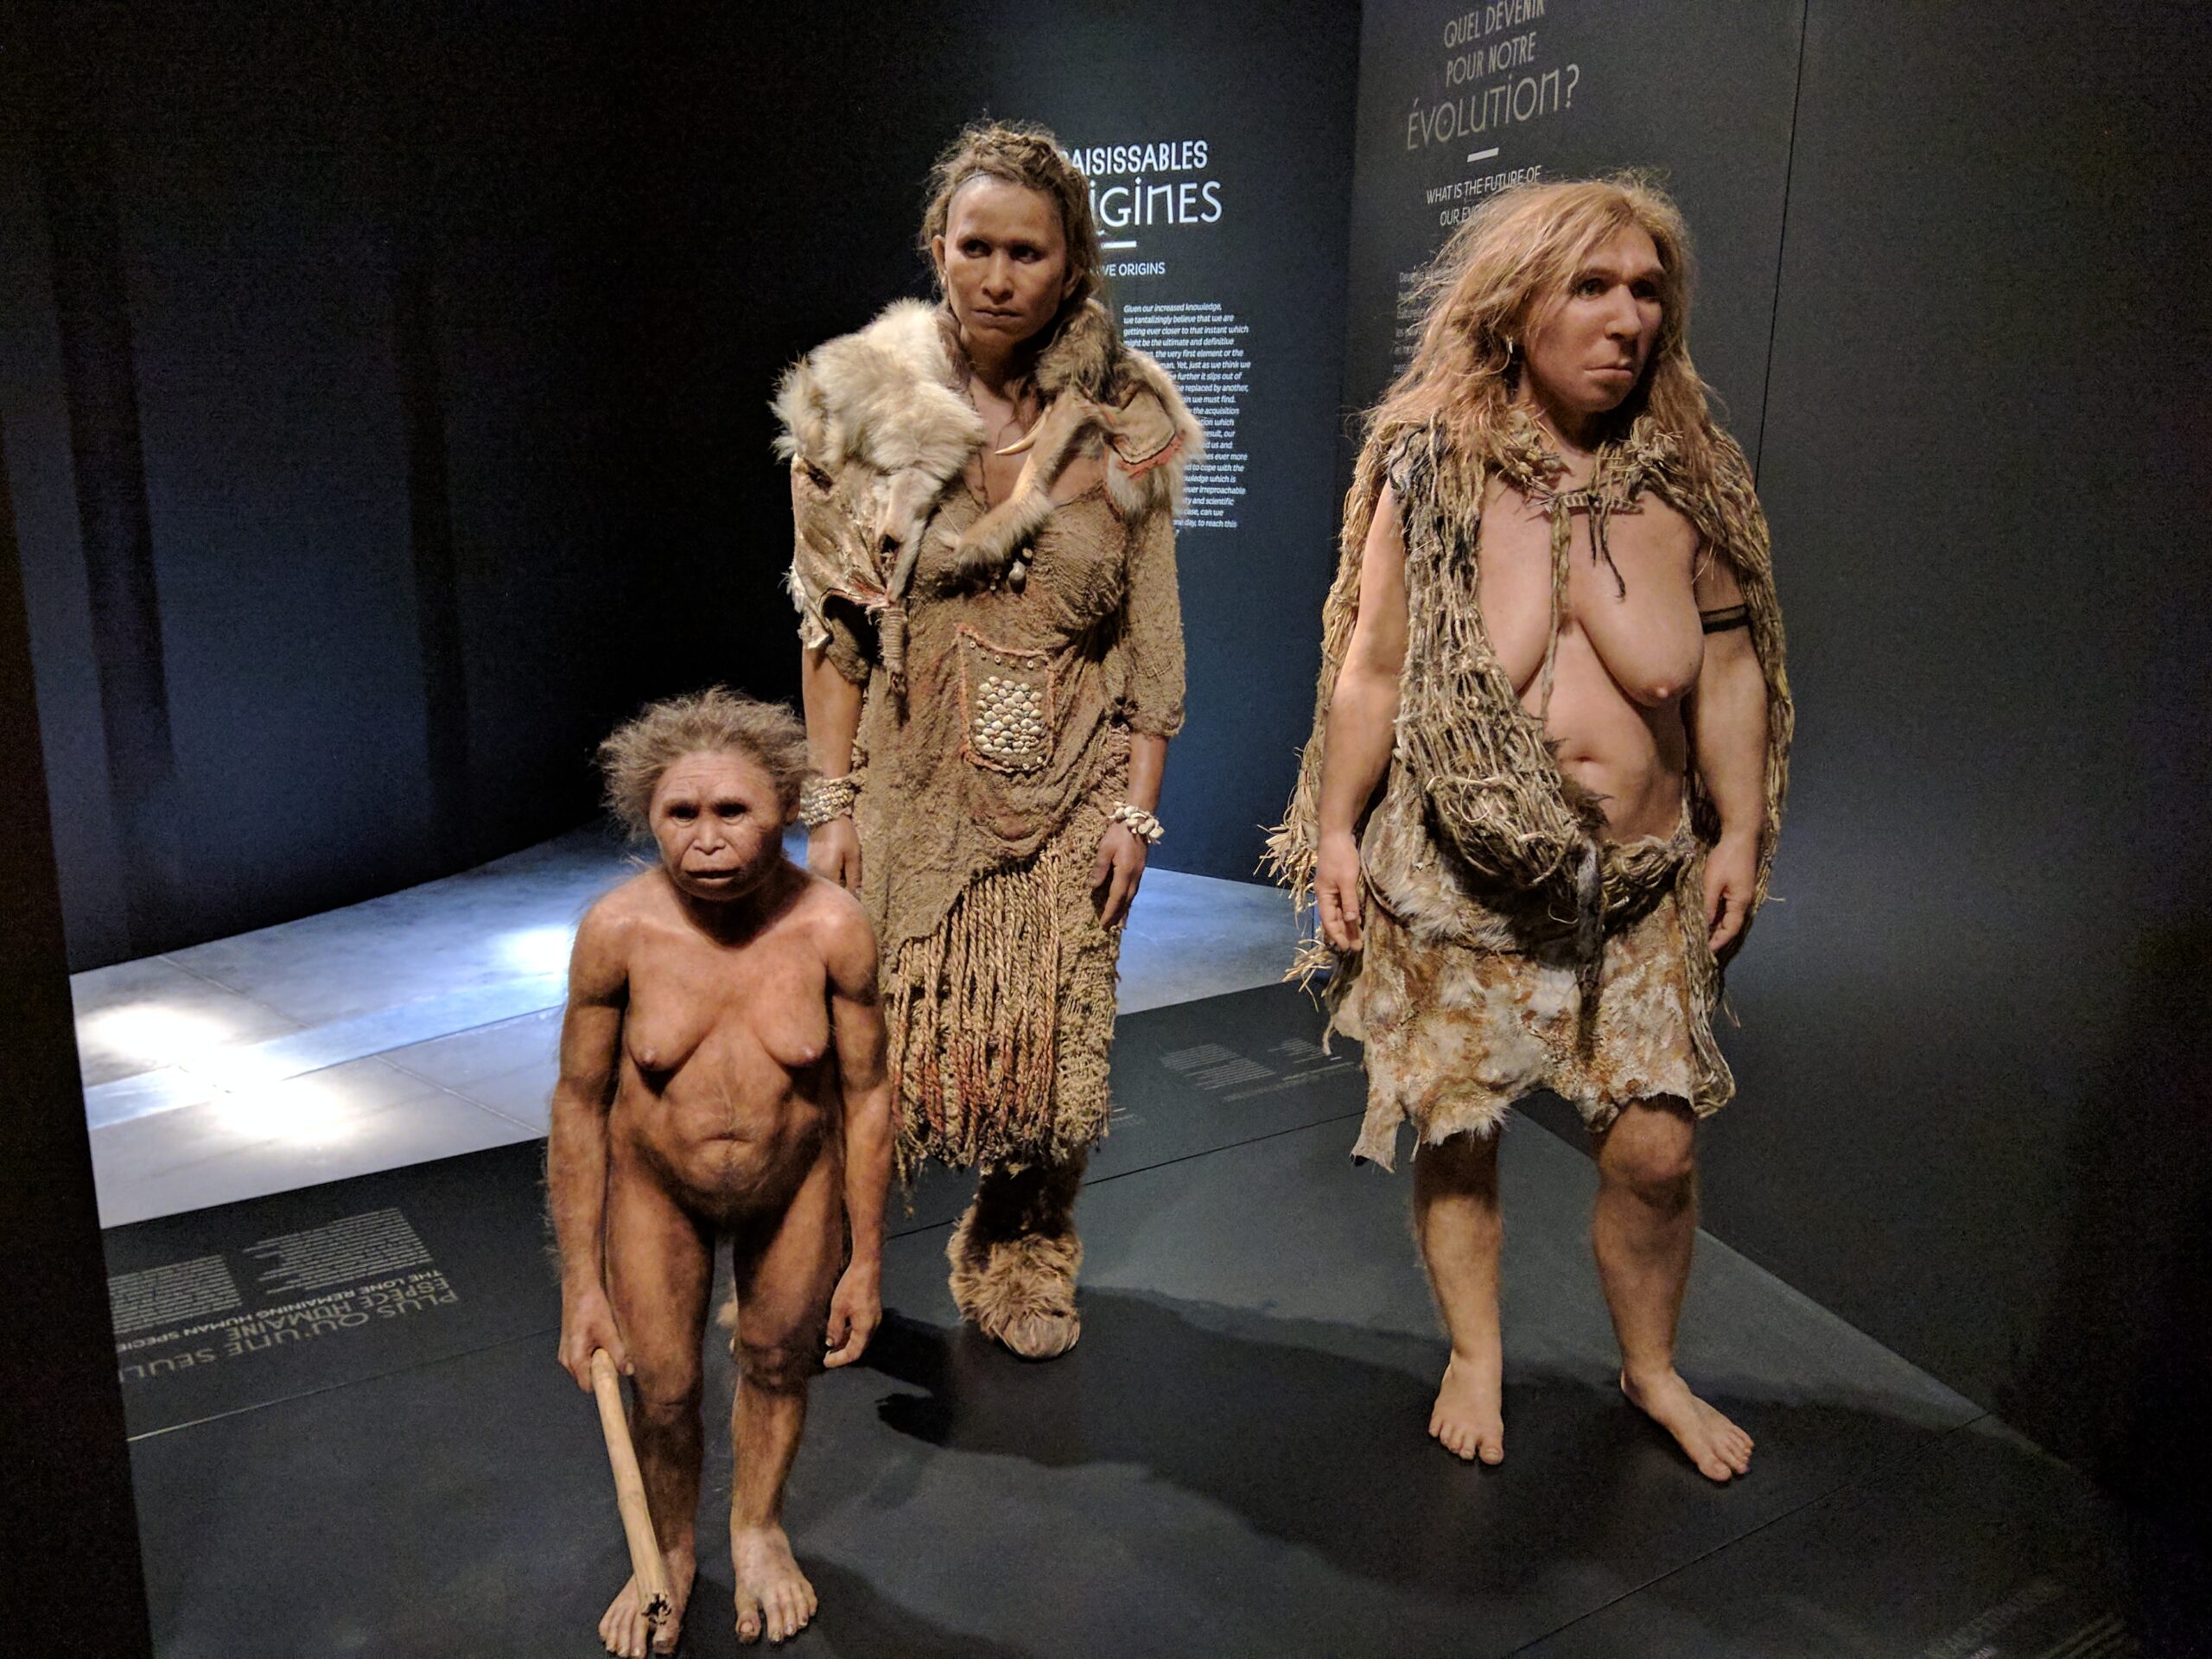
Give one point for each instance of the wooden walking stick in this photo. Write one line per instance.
(630, 1493)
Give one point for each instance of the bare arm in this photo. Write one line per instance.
(1728, 724)
(576, 1150)
(857, 1029)
(833, 720)
(1362, 714)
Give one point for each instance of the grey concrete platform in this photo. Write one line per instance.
(423, 1024)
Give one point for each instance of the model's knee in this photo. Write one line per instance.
(666, 1400)
(1661, 1172)
(778, 1366)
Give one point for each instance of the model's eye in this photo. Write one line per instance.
(1590, 287)
(1025, 254)
(733, 809)
(1647, 290)
(684, 812)
(975, 248)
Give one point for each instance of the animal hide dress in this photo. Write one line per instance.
(1510, 946)
(1006, 657)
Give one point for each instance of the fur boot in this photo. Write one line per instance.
(1014, 1257)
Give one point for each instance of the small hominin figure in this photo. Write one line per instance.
(721, 1076)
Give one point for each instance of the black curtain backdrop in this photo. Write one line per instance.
(68, 1526)
(428, 435)
(318, 327)
(392, 384)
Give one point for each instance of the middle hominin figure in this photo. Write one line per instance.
(983, 493)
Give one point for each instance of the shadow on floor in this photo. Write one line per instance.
(1324, 1451)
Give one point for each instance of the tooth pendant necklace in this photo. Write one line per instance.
(1009, 429)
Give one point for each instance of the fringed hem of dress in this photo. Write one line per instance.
(1003, 1017)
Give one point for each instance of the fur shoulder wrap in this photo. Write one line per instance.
(876, 422)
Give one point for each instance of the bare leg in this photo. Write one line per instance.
(1456, 1219)
(659, 1263)
(785, 1276)
(1643, 1229)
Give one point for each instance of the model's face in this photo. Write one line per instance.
(719, 824)
(1587, 350)
(1003, 259)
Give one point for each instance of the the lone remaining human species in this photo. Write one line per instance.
(984, 497)
(722, 1073)
(1551, 735)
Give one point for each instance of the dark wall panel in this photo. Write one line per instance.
(248, 151)
(1457, 101)
(1974, 1112)
(528, 162)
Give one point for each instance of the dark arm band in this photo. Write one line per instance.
(1735, 616)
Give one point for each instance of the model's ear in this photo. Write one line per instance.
(936, 259)
(1069, 283)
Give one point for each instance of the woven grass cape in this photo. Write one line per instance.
(1490, 794)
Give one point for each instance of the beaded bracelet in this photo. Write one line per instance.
(821, 799)
(1141, 823)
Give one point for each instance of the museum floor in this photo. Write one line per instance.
(318, 1161)
(423, 1024)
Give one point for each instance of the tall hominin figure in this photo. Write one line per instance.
(983, 495)
(1551, 736)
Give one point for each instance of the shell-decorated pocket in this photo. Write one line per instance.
(1009, 698)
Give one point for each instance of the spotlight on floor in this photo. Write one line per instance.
(537, 949)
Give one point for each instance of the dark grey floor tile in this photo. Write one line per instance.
(1980, 1546)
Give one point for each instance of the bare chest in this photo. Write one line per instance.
(1631, 598)
(696, 1005)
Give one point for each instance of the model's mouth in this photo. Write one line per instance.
(1627, 369)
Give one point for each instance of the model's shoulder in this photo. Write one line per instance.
(906, 332)
(609, 932)
(828, 907)
(626, 906)
(1154, 417)
(839, 927)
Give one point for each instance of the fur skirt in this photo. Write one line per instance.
(1455, 1036)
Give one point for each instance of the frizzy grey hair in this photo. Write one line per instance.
(638, 751)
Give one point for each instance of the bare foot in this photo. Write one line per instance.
(624, 1628)
(1717, 1447)
(773, 1597)
(1468, 1422)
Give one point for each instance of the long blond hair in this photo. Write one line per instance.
(1502, 270)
